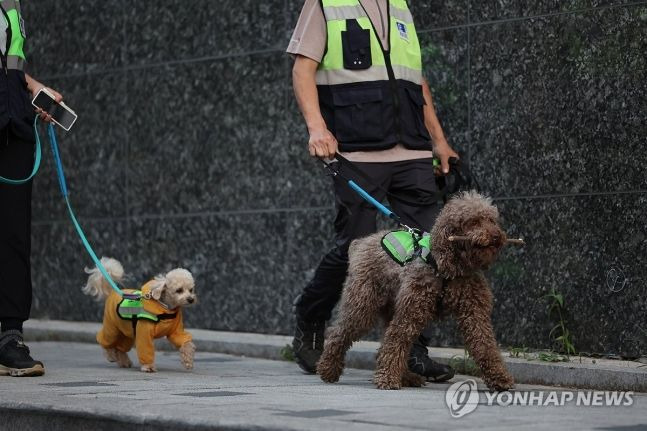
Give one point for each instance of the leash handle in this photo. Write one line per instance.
(37, 159)
(64, 191)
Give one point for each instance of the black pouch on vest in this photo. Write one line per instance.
(356, 43)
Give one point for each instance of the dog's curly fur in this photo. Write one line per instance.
(408, 297)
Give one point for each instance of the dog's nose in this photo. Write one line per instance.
(191, 300)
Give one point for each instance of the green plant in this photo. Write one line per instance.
(560, 333)
(287, 354)
(518, 352)
(464, 364)
(552, 357)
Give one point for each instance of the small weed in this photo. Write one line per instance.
(560, 333)
(519, 352)
(465, 365)
(552, 357)
(287, 354)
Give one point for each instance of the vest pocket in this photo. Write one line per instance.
(416, 119)
(356, 45)
(358, 115)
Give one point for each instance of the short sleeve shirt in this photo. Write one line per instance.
(309, 40)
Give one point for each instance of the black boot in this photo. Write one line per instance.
(308, 344)
(14, 357)
(420, 363)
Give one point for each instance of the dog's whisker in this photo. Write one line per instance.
(516, 241)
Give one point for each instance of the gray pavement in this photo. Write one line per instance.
(603, 374)
(82, 391)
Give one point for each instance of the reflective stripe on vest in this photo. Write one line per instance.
(130, 309)
(404, 46)
(401, 246)
(15, 55)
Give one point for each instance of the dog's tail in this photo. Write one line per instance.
(97, 285)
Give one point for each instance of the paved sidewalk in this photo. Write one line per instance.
(81, 391)
(602, 374)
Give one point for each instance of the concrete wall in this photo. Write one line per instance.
(190, 151)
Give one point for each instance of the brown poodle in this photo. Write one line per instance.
(407, 297)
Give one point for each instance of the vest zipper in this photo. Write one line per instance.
(389, 67)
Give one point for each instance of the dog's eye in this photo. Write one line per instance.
(179, 291)
(190, 290)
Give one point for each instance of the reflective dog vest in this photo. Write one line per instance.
(133, 309)
(404, 246)
(371, 98)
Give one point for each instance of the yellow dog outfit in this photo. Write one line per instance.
(140, 323)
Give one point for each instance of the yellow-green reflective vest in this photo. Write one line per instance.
(15, 105)
(12, 23)
(371, 98)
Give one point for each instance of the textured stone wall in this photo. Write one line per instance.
(190, 151)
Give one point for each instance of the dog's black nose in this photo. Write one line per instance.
(191, 300)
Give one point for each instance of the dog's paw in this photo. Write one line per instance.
(187, 352)
(500, 384)
(387, 382)
(413, 380)
(148, 368)
(110, 354)
(123, 360)
(329, 373)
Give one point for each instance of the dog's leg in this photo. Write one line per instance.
(472, 311)
(413, 309)
(187, 352)
(358, 314)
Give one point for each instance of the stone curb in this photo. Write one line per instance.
(583, 373)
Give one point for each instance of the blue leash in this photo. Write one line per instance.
(64, 191)
(367, 197)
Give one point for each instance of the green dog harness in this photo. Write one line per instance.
(133, 309)
(404, 246)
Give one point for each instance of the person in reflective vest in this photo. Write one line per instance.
(16, 161)
(359, 84)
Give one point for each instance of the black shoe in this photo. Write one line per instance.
(14, 357)
(422, 364)
(308, 344)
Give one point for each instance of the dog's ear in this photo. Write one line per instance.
(158, 287)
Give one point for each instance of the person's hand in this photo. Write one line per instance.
(322, 144)
(444, 152)
(57, 96)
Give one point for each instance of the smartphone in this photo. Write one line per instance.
(60, 112)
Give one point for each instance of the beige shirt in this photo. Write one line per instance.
(309, 39)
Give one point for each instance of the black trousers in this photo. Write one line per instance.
(16, 161)
(356, 218)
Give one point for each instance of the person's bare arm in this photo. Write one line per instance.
(34, 87)
(322, 143)
(441, 148)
